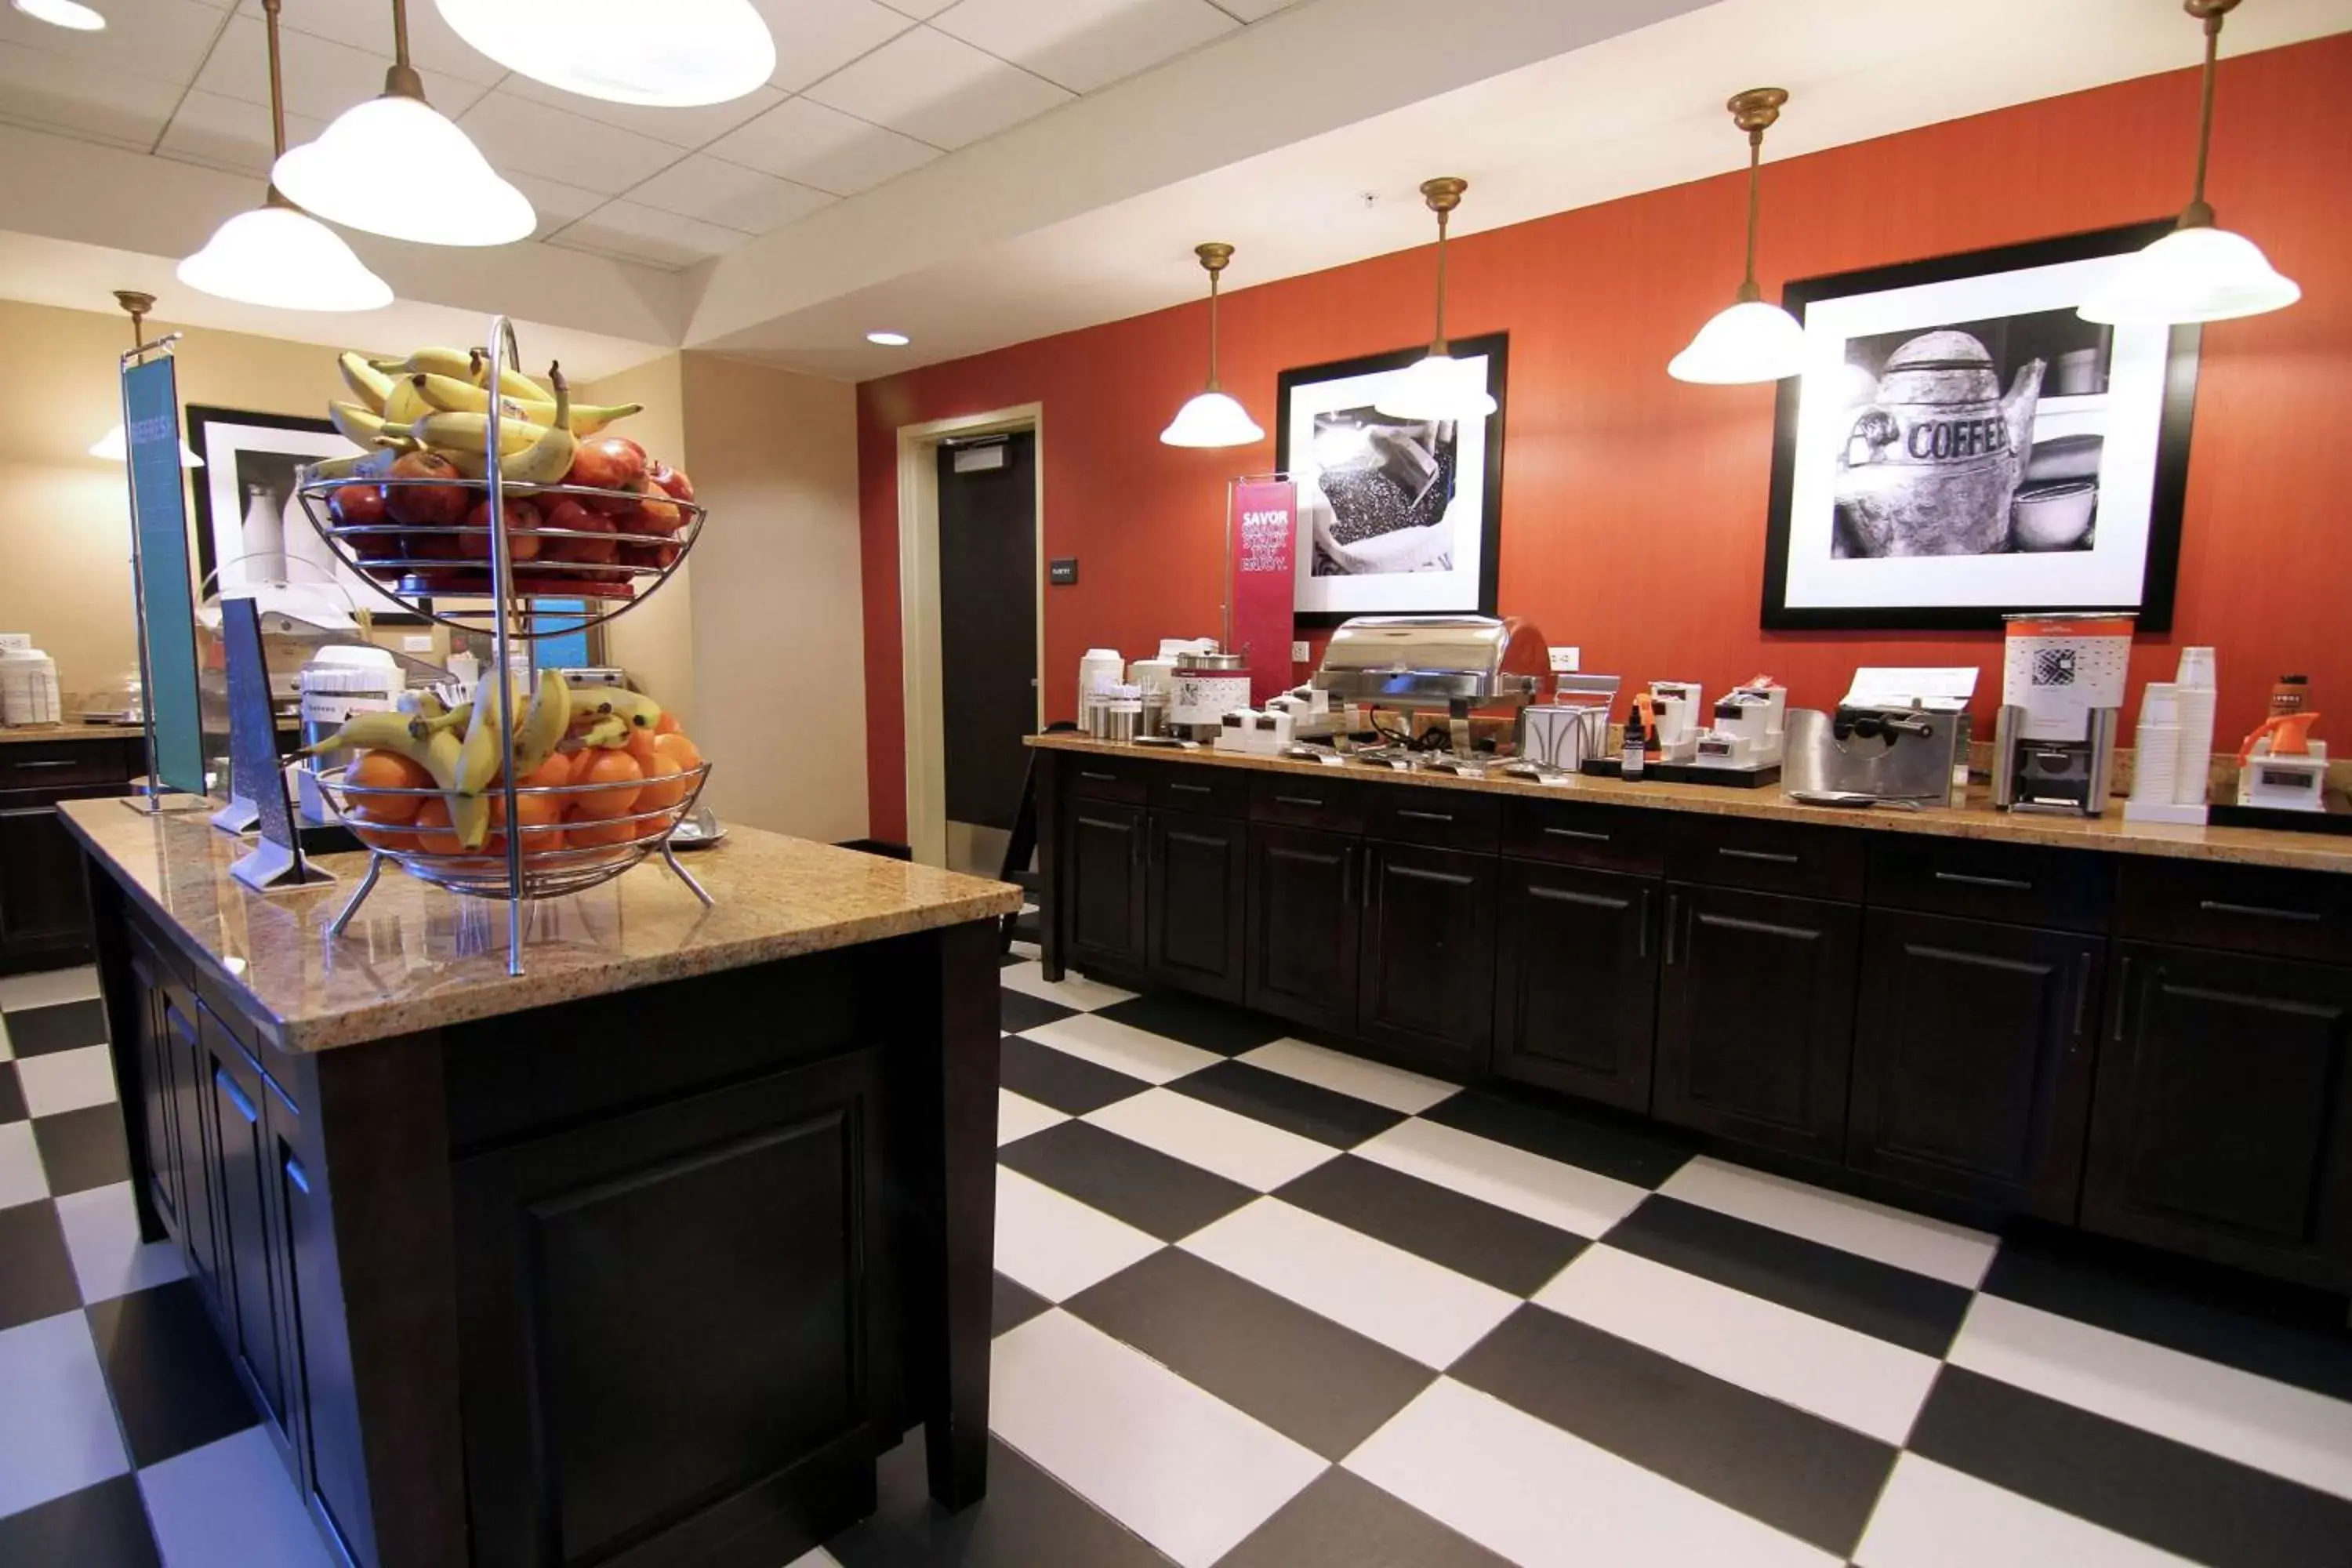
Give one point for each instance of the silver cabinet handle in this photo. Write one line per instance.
(1424, 815)
(1297, 800)
(1188, 789)
(1773, 856)
(2257, 911)
(47, 763)
(1570, 896)
(1967, 879)
(1098, 778)
(1588, 837)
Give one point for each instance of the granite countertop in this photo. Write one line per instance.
(2238, 845)
(15, 734)
(418, 958)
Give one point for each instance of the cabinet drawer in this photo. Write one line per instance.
(1217, 792)
(1303, 800)
(47, 764)
(2062, 889)
(2246, 909)
(1568, 833)
(1769, 857)
(1444, 818)
(1110, 778)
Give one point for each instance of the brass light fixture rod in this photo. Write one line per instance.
(2198, 214)
(139, 304)
(402, 81)
(1754, 112)
(1442, 195)
(269, 9)
(1215, 255)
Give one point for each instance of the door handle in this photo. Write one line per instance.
(1966, 880)
(1588, 837)
(1098, 778)
(1424, 815)
(17, 811)
(2257, 911)
(48, 763)
(1188, 789)
(1297, 800)
(1443, 879)
(1773, 856)
(236, 1097)
(1674, 911)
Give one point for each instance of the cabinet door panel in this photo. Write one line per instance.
(156, 1091)
(1576, 982)
(334, 1458)
(1972, 1059)
(1106, 882)
(1428, 978)
(1199, 911)
(247, 1168)
(191, 1103)
(1755, 1017)
(1303, 924)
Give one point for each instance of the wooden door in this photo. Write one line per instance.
(245, 1171)
(1106, 886)
(1200, 916)
(1427, 985)
(1304, 920)
(1576, 980)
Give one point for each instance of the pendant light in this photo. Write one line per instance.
(1749, 339)
(114, 446)
(673, 55)
(68, 14)
(2197, 272)
(396, 167)
(1438, 385)
(273, 254)
(1211, 417)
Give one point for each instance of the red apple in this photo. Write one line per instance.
(441, 504)
(522, 522)
(569, 514)
(355, 508)
(608, 463)
(672, 480)
(653, 555)
(655, 515)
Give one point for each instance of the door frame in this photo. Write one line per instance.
(920, 674)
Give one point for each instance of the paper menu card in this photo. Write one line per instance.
(1945, 688)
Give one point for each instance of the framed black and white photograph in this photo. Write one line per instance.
(250, 527)
(1961, 444)
(1395, 516)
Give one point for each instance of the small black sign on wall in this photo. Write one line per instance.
(1062, 571)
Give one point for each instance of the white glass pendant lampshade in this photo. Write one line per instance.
(1751, 341)
(1437, 386)
(1211, 417)
(277, 256)
(116, 449)
(396, 167)
(62, 14)
(669, 54)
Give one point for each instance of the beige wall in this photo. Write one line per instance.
(654, 642)
(778, 674)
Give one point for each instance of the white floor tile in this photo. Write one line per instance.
(1408, 1303)
(1813, 1364)
(7, 1052)
(1923, 1246)
(1933, 1517)
(1072, 990)
(66, 1080)
(817, 1557)
(1238, 1147)
(22, 1180)
(1122, 1048)
(1017, 1116)
(1546, 1499)
(56, 1424)
(1375, 1082)
(1583, 1202)
(48, 988)
(1055, 1245)
(1178, 1467)
(229, 1504)
(2273, 1427)
(102, 1237)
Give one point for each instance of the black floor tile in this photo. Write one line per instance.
(1308, 1109)
(171, 1379)
(1018, 1010)
(1153, 1192)
(1871, 1298)
(1811, 1478)
(65, 1026)
(1014, 1304)
(1315, 1382)
(1508, 1251)
(1606, 1147)
(1010, 958)
(1197, 1021)
(82, 1148)
(2181, 1500)
(1342, 1520)
(37, 1277)
(1028, 1520)
(104, 1526)
(1057, 1079)
(12, 1094)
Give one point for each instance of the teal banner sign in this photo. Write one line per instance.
(158, 521)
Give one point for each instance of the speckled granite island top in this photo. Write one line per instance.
(2238, 845)
(418, 958)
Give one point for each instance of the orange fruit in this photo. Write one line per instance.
(616, 768)
(682, 755)
(434, 814)
(539, 814)
(377, 839)
(588, 834)
(388, 770)
(641, 746)
(555, 772)
(666, 724)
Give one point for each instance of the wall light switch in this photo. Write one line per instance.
(1298, 653)
(1566, 660)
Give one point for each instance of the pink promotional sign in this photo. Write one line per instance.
(1264, 525)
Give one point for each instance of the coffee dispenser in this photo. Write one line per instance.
(2062, 697)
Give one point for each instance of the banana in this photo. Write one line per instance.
(358, 425)
(588, 419)
(609, 733)
(450, 395)
(549, 457)
(436, 752)
(469, 433)
(403, 405)
(458, 362)
(346, 467)
(549, 717)
(369, 384)
(634, 708)
(487, 736)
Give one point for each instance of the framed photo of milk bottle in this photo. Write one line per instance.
(1961, 444)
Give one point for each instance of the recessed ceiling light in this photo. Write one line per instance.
(889, 339)
(62, 14)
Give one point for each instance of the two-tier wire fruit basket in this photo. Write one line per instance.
(521, 584)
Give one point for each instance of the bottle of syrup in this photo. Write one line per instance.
(1634, 743)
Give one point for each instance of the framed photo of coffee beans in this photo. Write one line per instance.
(1961, 444)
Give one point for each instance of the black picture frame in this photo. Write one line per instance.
(2160, 569)
(1496, 347)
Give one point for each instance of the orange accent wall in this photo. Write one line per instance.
(1634, 504)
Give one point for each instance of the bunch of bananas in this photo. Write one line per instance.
(437, 400)
(427, 732)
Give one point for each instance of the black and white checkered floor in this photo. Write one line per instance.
(1262, 1305)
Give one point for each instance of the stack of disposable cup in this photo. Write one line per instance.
(2157, 755)
(2194, 697)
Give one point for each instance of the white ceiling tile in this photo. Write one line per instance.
(817, 37)
(919, 8)
(162, 38)
(58, 92)
(227, 133)
(556, 202)
(645, 234)
(1086, 43)
(515, 133)
(812, 145)
(1254, 10)
(938, 89)
(680, 128)
(367, 25)
(722, 193)
(322, 78)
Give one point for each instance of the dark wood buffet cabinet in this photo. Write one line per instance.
(44, 917)
(2154, 1048)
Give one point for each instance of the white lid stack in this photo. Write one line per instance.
(28, 688)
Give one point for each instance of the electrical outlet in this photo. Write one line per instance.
(1298, 653)
(1567, 660)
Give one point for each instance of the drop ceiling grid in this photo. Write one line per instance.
(895, 85)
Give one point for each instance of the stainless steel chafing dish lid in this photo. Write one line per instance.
(1434, 661)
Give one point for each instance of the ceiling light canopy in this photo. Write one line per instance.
(1747, 341)
(1211, 417)
(664, 54)
(1439, 386)
(2197, 272)
(114, 446)
(62, 14)
(889, 339)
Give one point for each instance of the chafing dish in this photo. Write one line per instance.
(1451, 662)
